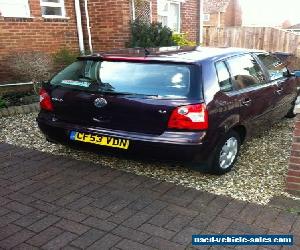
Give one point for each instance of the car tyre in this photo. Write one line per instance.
(291, 113)
(226, 153)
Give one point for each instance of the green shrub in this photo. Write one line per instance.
(64, 57)
(38, 66)
(32, 66)
(150, 35)
(2, 103)
(36, 87)
(180, 39)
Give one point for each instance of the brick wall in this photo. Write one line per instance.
(231, 17)
(213, 20)
(109, 22)
(109, 26)
(36, 34)
(233, 14)
(293, 176)
(190, 19)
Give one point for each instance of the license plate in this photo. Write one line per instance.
(100, 140)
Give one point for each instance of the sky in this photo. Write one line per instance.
(270, 12)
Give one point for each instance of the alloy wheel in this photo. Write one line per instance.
(228, 153)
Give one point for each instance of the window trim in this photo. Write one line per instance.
(167, 13)
(61, 5)
(27, 9)
(229, 73)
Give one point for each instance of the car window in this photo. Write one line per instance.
(275, 67)
(223, 76)
(167, 80)
(245, 72)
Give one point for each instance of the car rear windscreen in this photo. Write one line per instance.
(161, 79)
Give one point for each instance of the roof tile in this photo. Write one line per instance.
(215, 6)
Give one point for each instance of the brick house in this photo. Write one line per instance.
(222, 13)
(48, 25)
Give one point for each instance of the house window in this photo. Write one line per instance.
(206, 17)
(169, 14)
(14, 8)
(53, 8)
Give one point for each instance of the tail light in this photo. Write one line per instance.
(190, 117)
(45, 101)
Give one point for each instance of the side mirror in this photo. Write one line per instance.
(297, 73)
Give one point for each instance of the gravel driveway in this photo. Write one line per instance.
(258, 176)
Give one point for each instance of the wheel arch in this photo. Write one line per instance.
(241, 130)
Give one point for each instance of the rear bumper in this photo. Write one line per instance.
(189, 144)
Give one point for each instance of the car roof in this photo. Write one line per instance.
(170, 54)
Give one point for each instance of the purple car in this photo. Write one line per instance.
(199, 103)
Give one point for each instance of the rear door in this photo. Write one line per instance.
(256, 97)
(284, 86)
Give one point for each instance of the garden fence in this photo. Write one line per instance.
(264, 38)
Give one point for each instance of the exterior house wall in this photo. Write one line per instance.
(232, 16)
(190, 19)
(109, 22)
(154, 10)
(213, 20)
(36, 34)
(109, 26)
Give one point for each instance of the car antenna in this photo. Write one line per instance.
(147, 52)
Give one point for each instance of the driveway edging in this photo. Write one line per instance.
(18, 110)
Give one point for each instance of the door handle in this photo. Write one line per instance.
(281, 82)
(246, 102)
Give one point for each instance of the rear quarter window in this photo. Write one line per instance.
(275, 67)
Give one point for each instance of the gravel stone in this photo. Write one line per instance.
(258, 175)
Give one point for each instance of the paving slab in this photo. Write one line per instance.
(50, 202)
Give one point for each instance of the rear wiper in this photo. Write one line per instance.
(105, 86)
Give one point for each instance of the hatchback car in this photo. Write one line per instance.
(198, 102)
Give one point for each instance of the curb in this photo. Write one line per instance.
(19, 110)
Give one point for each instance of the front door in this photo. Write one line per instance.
(284, 86)
(255, 95)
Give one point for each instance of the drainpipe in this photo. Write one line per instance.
(88, 25)
(219, 20)
(201, 16)
(133, 9)
(79, 27)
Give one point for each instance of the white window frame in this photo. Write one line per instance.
(206, 17)
(61, 5)
(27, 10)
(167, 13)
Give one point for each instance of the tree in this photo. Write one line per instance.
(286, 24)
